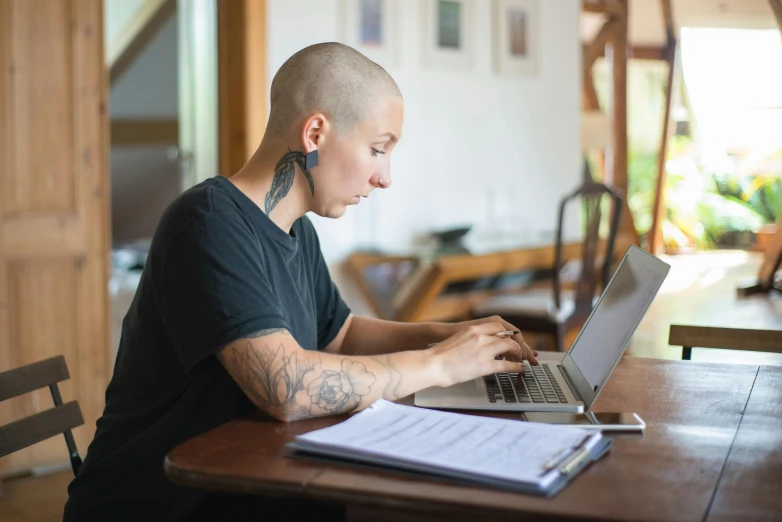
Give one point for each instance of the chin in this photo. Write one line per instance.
(338, 212)
(333, 212)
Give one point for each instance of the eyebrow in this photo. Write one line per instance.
(391, 136)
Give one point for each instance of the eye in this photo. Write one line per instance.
(375, 152)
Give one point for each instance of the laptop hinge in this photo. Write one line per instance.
(569, 382)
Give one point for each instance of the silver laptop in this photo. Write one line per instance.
(573, 383)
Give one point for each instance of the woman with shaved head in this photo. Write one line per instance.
(236, 310)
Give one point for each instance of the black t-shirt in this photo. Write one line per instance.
(218, 270)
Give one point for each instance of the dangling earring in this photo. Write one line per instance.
(311, 160)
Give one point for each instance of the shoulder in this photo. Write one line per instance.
(201, 219)
(204, 206)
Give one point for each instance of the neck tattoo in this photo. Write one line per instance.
(284, 172)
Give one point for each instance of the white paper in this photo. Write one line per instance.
(499, 448)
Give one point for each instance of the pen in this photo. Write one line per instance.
(567, 454)
(506, 333)
(576, 462)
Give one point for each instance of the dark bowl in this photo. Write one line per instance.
(452, 234)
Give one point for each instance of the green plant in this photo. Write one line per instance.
(642, 178)
(761, 194)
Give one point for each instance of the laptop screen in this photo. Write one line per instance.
(617, 315)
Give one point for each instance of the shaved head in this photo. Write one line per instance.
(331, 78)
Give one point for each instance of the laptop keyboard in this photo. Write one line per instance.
(536, 385)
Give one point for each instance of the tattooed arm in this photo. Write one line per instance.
(291, 383)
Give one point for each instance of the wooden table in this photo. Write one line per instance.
(712, 451)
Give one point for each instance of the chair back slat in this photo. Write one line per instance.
(587, 281)
(38, 427)
(591, 194)
(32, 377)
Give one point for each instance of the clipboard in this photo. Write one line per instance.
(378, 449)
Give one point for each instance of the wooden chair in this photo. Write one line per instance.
(555, 311)
(689, 337)
(40, 426)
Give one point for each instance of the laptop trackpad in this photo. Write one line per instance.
(462, 395)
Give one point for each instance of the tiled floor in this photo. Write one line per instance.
(700, 290)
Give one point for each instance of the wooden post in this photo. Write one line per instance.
(619, 114)
(655, 233)
(231, 82)
(619, 91)
(776, 6)
(241, 38)
(772, 257)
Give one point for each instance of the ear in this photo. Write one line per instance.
(313, 132)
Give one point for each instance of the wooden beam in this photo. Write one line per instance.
(241, 81)
(597, 47)
(137, 34)
(776, 6)
(589, 101)
(647, 52)
(641, 52)
(604, 7)
(655, 237)
(590, 53)
(126, 133)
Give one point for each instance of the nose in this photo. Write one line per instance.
(382, 181)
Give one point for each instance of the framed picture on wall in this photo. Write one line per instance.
(448, 33)
(370, 27)
(516, 37)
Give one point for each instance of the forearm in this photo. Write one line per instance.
(367, 336)
(291, 383)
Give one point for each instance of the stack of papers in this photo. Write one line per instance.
(511, 454)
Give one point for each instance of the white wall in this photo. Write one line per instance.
(477, 147)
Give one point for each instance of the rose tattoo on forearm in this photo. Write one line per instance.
(337, 391)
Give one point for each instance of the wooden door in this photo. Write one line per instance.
(54, 214)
